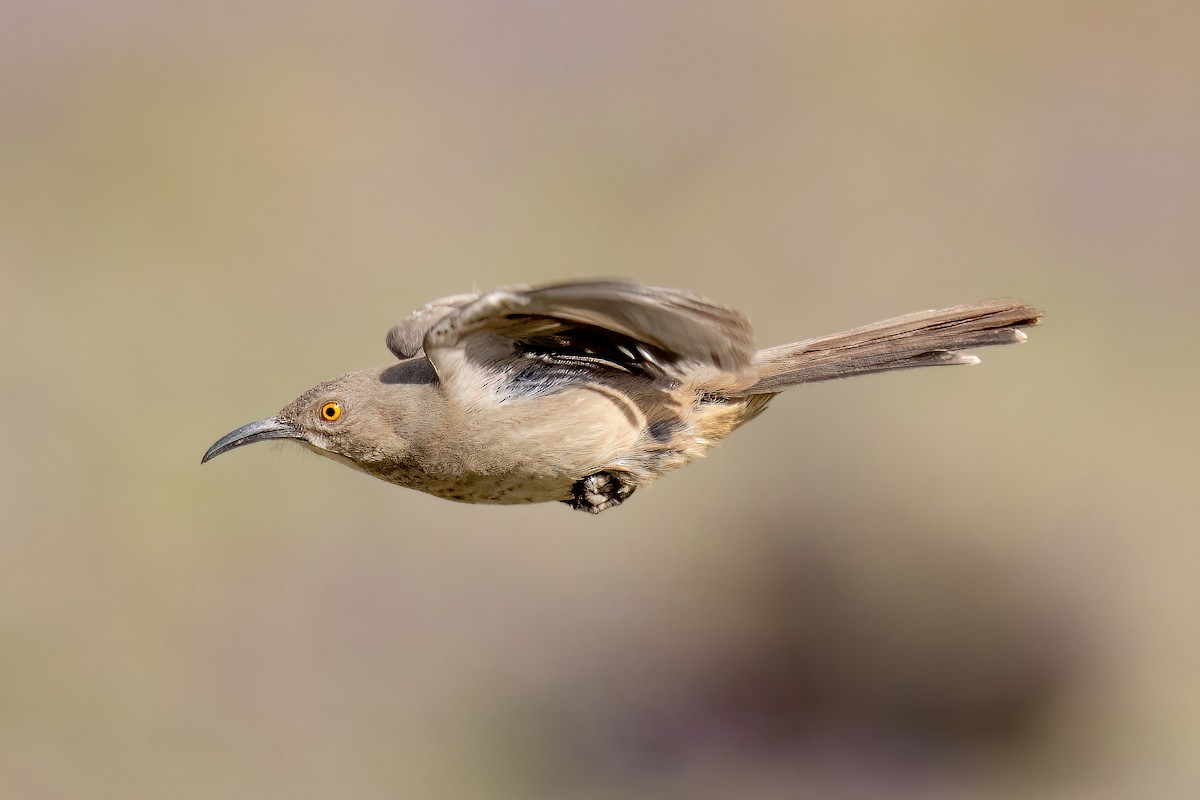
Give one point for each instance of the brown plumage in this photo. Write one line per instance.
(581, 392)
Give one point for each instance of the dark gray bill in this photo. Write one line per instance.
(254, 432)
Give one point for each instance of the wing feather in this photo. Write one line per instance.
(594, 324)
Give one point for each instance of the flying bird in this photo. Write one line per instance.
(581, 392)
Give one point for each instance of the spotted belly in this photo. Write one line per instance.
(494, 489)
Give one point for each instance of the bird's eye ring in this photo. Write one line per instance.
(331, 412)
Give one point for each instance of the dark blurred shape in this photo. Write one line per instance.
(888, 655)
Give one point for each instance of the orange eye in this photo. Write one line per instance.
(331, 411)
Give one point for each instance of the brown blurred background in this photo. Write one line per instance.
(945, 584)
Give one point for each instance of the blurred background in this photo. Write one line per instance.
(939, 584)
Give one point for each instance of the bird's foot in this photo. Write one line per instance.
(599, 491)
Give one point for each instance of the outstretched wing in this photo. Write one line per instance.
(585, 325)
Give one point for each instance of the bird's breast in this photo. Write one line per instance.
(520, 451)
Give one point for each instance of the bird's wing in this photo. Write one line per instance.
(590, 325)
(406, 338)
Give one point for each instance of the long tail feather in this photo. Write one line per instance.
(923, 339)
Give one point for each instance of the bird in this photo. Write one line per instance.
(584, 391)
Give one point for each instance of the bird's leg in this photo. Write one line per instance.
(599, 491)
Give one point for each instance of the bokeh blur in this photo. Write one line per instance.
(962, 583)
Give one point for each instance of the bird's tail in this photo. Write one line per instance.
(924, 339)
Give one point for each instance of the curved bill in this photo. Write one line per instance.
(258, 431)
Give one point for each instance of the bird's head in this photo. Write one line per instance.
(354, 419)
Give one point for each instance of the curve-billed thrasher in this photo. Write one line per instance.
(581, 392)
